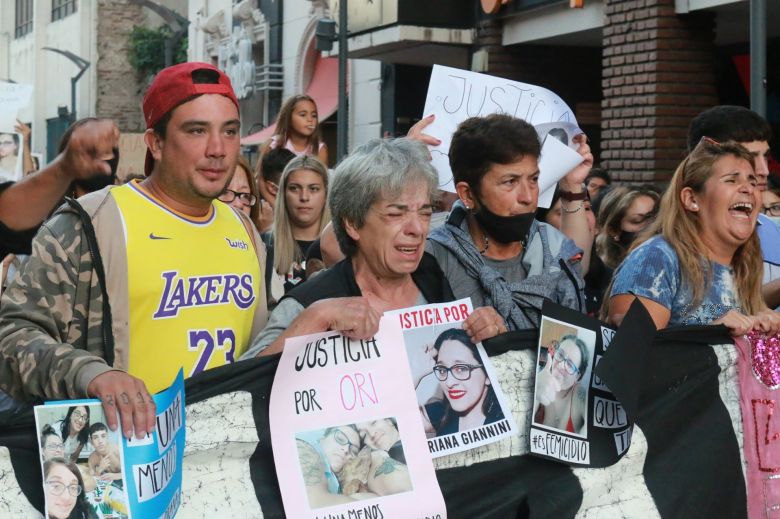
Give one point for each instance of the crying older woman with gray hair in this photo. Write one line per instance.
(381, 201)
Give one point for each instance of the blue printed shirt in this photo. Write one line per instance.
(652, 271)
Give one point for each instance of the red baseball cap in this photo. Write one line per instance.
(173, 86)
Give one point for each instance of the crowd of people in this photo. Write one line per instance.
(255, 255)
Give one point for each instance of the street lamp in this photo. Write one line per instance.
(326, 35)
(175, 21)
(83, 65)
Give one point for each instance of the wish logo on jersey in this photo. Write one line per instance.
(220, 289)
(237, 244)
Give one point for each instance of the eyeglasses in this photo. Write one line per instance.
(342, 439)
(57, 488)
(559, 357)
(459, 371)
(54, 446)
(6, 143)
(772, 210)
(78, 415)
(228, 195)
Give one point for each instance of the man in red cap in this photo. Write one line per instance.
(171, 279)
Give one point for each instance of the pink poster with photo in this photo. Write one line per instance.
(344, 418)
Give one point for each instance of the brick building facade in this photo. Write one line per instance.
(119, 86)
(657, 75)
(97, 31)
(635, 72)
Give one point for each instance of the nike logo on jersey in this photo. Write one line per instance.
(154, 237)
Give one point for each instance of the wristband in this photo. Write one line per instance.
(573, 197)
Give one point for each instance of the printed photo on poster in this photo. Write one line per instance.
(465, 397)
(357, 461)
(344, 416)
(81, 462)
(562, 377)
(460, 401)
(11, 154)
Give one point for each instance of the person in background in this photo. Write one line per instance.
(770, 200)
(241, 192)
(301, 213)
(625, 211)
(598, 275)
(770, 213)
(597, 180)
(269, 171)
(298, 129)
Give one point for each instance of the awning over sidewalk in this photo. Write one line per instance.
(323, 88)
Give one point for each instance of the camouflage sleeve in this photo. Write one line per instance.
(45, 348)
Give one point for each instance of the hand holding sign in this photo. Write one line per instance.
(455, 95)
(577, 176)
(416, 131)
(352, 316)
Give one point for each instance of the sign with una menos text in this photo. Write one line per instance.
(344, 416)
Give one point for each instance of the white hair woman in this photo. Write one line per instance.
(381, 200)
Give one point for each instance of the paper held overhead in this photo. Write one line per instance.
(13, 97)
(454, 95)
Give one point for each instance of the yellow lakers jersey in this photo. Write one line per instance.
(193, 284)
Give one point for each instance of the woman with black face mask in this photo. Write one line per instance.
(491, 248)
(624, 212)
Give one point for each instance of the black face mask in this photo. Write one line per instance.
(505, 229)
(626, 239)
(100, 180)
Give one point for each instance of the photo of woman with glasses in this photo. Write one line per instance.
(469, 398)
(64, 491)
(52, 447)
(74, 432)
(10, 160)
(561, 399)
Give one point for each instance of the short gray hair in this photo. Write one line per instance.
(380, 168)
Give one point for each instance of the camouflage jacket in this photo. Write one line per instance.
(51, 344)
